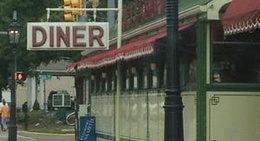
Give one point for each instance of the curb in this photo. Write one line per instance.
(39, 133)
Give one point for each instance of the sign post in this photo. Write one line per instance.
(43, 78)
(119, 40)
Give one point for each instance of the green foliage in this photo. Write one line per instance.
(27, 11)
(35, 116)
(36, 105)
(40, 121)
(39, 116)
(20, 118)
(33, 11)
(61, 113)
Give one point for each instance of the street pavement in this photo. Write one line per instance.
(4, 137)
(28, 136)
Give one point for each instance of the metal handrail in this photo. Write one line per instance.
(71, 117)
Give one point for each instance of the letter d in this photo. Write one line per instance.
(35, 41)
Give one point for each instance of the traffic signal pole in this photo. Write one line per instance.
(119, 9)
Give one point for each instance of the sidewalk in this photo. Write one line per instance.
(4, 137)
(38, 133)
(21, 135)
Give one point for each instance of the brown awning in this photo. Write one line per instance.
(241, 16)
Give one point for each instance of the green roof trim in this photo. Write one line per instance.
(185, 4)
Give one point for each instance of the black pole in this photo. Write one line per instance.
(12, 134)
(76, 119)
(25, 111)
(173, 128)
(26, 121)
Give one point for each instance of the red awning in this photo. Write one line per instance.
(241, 16)
(138, 48)
(141, 47)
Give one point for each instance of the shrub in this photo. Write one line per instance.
(35, 116)
(42, 118)
(36, 105)
(61, 113)
(20, 117)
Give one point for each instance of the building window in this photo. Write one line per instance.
(188, 57)
(103, 81)
(109, 81)
(235, 58)
(131, 78)
(98, 83)
(92, 84)
(140, 77)
(124, 76)
(114, 80)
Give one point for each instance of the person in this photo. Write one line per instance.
(5, 114)
(1, 105)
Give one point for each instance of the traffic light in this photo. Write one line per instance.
(69, 15)
(20, 76)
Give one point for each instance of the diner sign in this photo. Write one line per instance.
(67, 35)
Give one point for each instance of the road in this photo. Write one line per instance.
(28, 136)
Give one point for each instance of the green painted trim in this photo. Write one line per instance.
(233, 87)
(105, 136)
(185, 4)
(112, 138)
(201, 80)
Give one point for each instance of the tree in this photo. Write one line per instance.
(27, 11)
(32, 11)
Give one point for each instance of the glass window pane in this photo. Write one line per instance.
(235, 58)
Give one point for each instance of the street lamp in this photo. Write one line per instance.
(173, 125)
(13, 36)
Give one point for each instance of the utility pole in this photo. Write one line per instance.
(119, 9)
(119, 76)
(173, 128)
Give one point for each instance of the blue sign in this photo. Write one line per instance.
(87, 128)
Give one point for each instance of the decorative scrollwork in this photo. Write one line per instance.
(214, 100)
